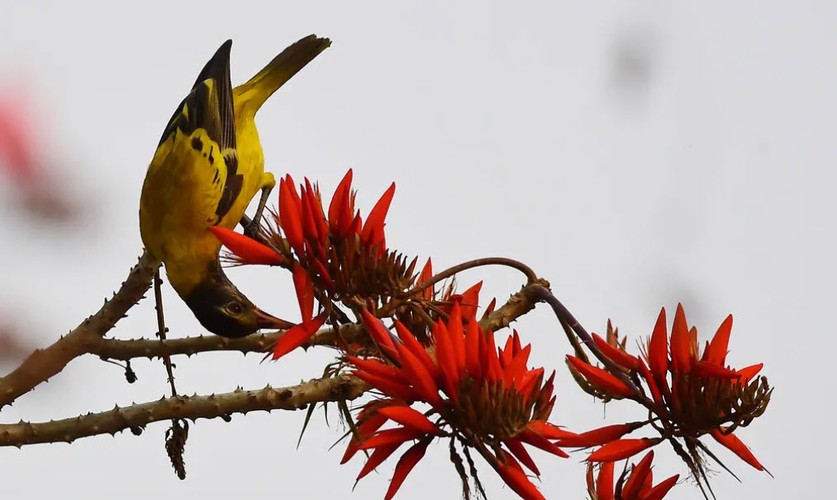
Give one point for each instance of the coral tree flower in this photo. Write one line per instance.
(633, 484)
(691, 393)
(339, 258)
(482, 397)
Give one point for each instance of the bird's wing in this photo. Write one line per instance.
(205, 121)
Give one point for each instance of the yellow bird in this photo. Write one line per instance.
(207, 168)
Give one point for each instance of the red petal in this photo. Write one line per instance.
(341, 210)
(680, 356)
(316, 224)
(549, 431)
(469, 301)
(530, 379)
(379, 334)
(418, 350)
(473, 341)
(446, 359)
(373, 229)
(601, 378)
(638, 476)
(425, 275)
(248, 250)
(598, 436)
(389, 386)
(290, 214)
(364, 429)
(457, 336)
(422, 380)
(616, 354)
(489, 359)
(507, 352)
(304, 292)
(297, 336)
(519, 451)
(662, 489)
(716, 351)
(489, 308)
(621, 449)
(706, 369)
(377, 457)
(378, 369)
(604, 483)
(658, 350)
(390, 436)
(514, 476)
(408, 460)
(516, 370)
(411, 418)
(749, 372)
(738, 447)
(652, 384)
(541, 442)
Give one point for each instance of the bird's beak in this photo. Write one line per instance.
(265, 320)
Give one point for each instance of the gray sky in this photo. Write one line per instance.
(636, 154)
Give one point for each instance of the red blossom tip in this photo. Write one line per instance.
(405, 465)
(248, 250)
(297, 336)
(621, 449)
(738, 447)
(602, 379)
(716, 351)
(410, 418)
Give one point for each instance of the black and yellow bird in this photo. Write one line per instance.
(208, 167)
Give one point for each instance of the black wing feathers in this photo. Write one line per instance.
(209, 106)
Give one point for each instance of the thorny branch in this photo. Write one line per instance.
(137, 416)
(88, 338)
(45, 363)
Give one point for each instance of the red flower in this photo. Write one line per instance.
(344, 258)
(691, 393)
(480, 396)
(302, 332)
(247, 249)
(634, 486)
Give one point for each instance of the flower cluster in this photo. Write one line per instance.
(440, 375)
(486, 399)
(336, 259)
(692, 393)
(634, 484)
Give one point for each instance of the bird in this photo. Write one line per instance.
(207, 168)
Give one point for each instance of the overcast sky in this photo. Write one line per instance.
(636, 154)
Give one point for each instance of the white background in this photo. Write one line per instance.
(636, 154)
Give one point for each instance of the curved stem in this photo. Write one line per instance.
(566, 316)
(531, 277)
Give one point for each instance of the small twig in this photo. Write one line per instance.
(137, 416)
(161, 327)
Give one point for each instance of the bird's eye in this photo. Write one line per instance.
(234, 308)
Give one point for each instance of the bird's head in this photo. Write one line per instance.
(223, 310)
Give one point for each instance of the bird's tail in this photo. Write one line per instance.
(250, 96)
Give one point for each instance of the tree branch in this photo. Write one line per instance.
(45, 363)
(137, 416)
(517, 305)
